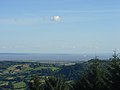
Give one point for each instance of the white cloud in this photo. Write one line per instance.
(56, 18)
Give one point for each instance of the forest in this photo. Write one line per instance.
(94, 74)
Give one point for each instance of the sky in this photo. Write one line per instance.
(59, 26)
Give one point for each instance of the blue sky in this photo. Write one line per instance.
(85, 26)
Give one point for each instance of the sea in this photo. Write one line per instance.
(56, 57)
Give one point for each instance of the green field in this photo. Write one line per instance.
(18, 72)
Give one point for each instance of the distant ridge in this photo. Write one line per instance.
(38, 56)
(14, 53)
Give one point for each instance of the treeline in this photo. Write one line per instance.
(98, 75)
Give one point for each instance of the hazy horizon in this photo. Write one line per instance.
(51, 57)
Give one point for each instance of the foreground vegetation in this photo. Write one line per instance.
(94, 74)
(16, 75)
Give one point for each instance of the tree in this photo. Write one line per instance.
(94, 78)
(115, 72)
(56, 83)
(50, 83)
(36, 84)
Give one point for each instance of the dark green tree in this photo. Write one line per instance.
(56, 83)
(36, 84)
(10, 85)
(49, 83)
(115, 72)
(94, 78)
